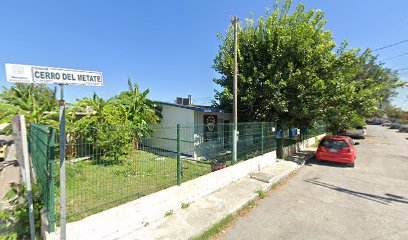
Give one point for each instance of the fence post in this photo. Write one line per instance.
(232, 143)
(178, 156)
(262, 138)
(51, 197)
(279, 140)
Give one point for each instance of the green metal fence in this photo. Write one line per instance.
(108, 166)
(42, 144)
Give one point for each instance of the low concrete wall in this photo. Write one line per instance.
(119, 221)
(294, 148)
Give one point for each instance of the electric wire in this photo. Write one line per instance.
(390, 45)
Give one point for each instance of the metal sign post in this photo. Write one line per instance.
(62, 163)
(17, 73)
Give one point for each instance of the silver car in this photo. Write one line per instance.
(403, 128)
(395, 125)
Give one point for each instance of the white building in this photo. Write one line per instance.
(204, 130)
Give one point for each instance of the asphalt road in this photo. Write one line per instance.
(330, 201)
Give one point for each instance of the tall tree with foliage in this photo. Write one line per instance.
(283, 62)
(393, 113)
(290, 73)
(358, 88)
(136, 111)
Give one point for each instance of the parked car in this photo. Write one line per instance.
(386, 124)
(403, 128)
(3, 147)
(337, 149)
(358, 132)
(395, 125)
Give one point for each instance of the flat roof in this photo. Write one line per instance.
(198, 108)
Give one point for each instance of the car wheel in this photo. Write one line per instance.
(351, 165)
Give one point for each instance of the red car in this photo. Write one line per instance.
(337, 149)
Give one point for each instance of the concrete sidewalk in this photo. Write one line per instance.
(9, 173)
(203, 214)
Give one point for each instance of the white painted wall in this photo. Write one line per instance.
(129, 217)
(167, 130)
(191, 132)
(119, 221)
(175, 115)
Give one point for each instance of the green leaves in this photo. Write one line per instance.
(117, 122)
(15, 220)
(282, 57)
(34, 101)
(288, 71)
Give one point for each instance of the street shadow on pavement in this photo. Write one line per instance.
(313, 161)
(5, 164)
(300, 157)
(386, 199)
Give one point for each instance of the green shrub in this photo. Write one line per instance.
(185, 205)
(16, 219)
(168, 213)
(261, 193)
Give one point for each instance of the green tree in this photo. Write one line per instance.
(393, 113)
(138, 109)
(283, 60)
(134, 110)
(93, 110)
(290, 73)
(357, 88)
(37, 102)
(113, 125)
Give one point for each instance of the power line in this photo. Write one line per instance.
(400, 55)
(401, 69)
(391, 45)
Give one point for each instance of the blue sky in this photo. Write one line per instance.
(169, 46)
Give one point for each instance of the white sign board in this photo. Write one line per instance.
(17, 73)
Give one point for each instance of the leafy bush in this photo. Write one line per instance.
(6, 131)
(16, 219)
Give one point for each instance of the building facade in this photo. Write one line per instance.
(203, 130)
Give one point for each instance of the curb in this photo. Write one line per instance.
(267, 187)
(307, 159)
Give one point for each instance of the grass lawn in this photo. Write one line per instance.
(97, 185)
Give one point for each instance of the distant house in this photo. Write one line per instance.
(406, 115)
(204, 130)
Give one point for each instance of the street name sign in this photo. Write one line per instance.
(18, 73)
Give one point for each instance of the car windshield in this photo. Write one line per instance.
(339, 144)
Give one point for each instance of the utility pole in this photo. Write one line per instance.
(235, 87)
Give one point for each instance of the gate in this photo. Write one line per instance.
(42, 147)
